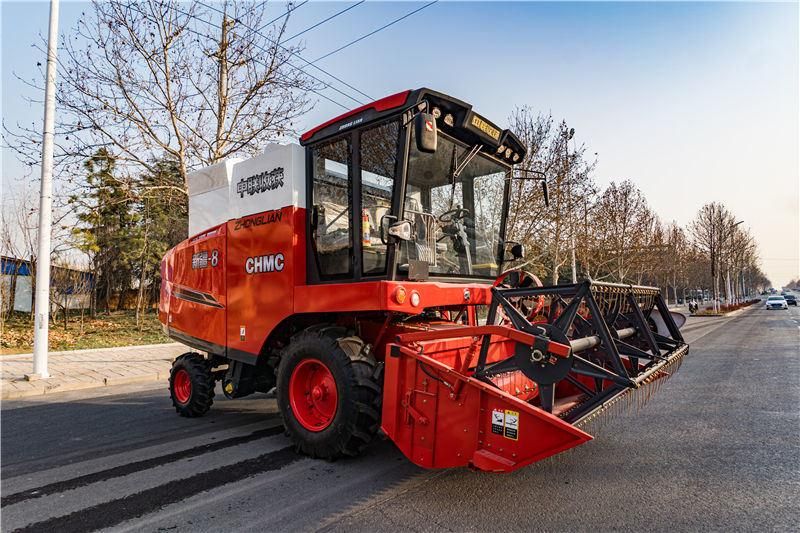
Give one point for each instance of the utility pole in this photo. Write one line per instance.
(42, 303)
(222, 82)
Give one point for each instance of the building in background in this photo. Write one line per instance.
(69, 288)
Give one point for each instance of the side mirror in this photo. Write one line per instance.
(516, 251)
(425, 132)
(401, 230)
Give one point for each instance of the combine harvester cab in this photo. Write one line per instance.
(365, 277)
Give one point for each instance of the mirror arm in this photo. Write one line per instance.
(413, 111)
(539, 176)
(390, 218)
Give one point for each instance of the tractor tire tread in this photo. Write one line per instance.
(203, 382)
(361, 422)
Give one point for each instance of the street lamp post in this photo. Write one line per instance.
(42, 302)
(569, 134)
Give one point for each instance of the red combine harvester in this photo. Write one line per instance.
(361, 276)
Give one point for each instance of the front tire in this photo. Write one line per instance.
(191, 385)
(329, 393)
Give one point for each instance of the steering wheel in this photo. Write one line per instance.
(530, 306)
(453, 214)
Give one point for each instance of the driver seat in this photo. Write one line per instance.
(423, 247)
(425, 237)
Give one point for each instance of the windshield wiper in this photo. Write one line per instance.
(470, 156)
(457, 168)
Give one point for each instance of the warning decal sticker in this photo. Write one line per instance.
(512, 425)
(505, 423)
(498, 421)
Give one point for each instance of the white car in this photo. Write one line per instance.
(776, 302)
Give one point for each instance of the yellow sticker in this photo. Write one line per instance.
(512, 425)
(485, 127)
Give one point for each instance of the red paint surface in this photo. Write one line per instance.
(438, 425)
(190, 317)
(384, 104)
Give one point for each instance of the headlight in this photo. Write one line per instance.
(415, 298)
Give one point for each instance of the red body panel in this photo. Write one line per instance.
(379, 296)
(197, 297)
(260, 297)
(441, 418)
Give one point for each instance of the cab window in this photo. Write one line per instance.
(378, 151)
(331, 216)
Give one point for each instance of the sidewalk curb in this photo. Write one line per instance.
(98, 350)
(11, 394)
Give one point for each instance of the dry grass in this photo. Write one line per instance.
(725, 309)
(104, 331)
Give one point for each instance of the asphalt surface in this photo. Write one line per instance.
(717, 448)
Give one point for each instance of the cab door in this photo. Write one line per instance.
(352, 184)
(378, 174)
(330, 211)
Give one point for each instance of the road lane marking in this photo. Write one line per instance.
(31, 473)
(137, 466)
(111, 513)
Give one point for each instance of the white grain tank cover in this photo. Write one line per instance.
(269, 181)
(208, 196)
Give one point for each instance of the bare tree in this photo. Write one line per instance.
(624, 228)
(709, 231)
(149, 79)
(548, 231)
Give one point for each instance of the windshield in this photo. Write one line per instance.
(776, 298)
(456, 223)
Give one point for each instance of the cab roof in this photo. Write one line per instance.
(467, 125)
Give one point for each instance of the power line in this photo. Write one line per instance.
(205, 36)
(395, 21)
(291, 53)
(320, 23)
(261, 48)
(301, 4)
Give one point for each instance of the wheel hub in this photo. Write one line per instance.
(312, 395)
(182, 386)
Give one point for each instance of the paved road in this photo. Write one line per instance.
(718, 448)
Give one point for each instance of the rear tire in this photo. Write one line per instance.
(191, 385)
(329, 393)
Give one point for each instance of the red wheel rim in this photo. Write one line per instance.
(182, 386)
(313, 395)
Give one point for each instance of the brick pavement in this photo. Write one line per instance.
(83, 369)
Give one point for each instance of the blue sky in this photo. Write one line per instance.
(695, 102)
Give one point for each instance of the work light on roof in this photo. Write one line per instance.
(448, 119)
(436, 112)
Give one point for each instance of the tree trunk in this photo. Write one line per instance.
(12, 288)
(121, 300)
